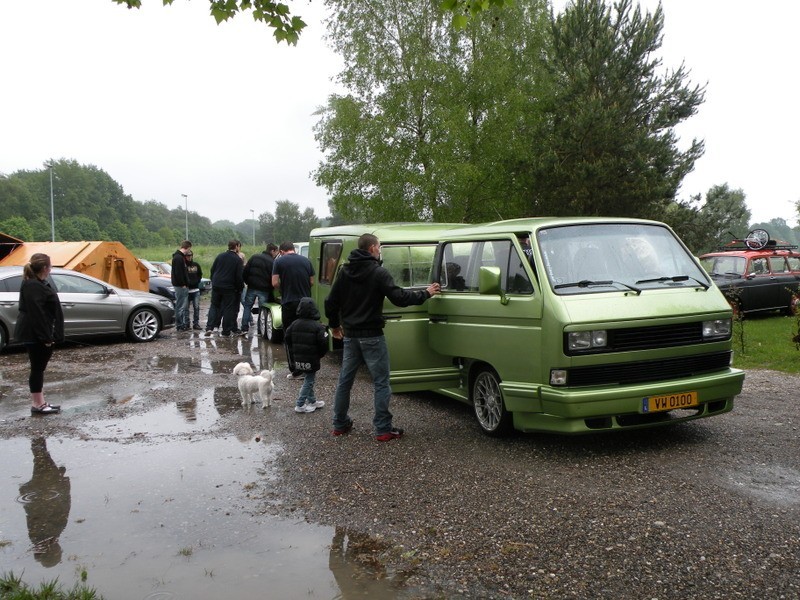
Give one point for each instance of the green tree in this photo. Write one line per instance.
(287, 28)
(779, 230)
(17, 227)
(430, 126)
(724, 212)
(288, 224)
(609, 119)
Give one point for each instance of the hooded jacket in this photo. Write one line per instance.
(179, 274)
(258, 272)
(356, 298)
(306, 338)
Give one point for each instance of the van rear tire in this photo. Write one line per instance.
(487, 399)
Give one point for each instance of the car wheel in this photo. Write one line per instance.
(490, 409)
(143, 325)
(270, 331)
(3, 338)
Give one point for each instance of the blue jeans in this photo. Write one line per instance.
(194, 306)
(181, 307)
(307, 391)
(373, 352)
(248, 301)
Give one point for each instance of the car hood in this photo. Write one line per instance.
(136, 294)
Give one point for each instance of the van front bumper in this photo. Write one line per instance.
(585, 410)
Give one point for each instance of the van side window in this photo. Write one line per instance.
(409, 265)
(455, 259)
(794, 263)
(329, 257)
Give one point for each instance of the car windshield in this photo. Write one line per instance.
(582, 259)
(724, 266)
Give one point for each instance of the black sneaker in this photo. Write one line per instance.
(197, 328)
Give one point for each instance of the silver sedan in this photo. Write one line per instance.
(91, 307)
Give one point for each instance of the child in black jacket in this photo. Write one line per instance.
(306, 341)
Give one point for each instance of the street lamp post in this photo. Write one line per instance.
(52, 209)
(253, 214)
(186, 212)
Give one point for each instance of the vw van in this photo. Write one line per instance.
(570, 325)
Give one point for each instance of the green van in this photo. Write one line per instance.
(570, 325)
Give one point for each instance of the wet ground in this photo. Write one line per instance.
(155, 482)
(151, 482)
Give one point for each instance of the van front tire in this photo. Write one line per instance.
(487, 399)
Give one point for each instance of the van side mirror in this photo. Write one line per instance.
(489, 283)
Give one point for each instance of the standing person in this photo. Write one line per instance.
(258, 277)
(293, 275)
(226, 289)
(306, 342)
(195, 274)
(39, 326)
(180, 281)
(354, 310)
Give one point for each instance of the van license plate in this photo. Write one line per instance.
(669, 402)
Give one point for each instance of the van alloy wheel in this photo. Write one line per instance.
(490, 409)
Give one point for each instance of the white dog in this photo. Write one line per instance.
(251, 385)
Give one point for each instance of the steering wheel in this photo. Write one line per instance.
(756, 239)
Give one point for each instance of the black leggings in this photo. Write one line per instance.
(39, 355)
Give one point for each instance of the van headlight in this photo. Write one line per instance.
(578, 341)
(718, 329)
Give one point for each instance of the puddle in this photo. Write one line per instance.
(166, 520)
(771, 483)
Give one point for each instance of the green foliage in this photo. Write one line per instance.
(13, 588)
(90, 205)
(517, 113)
(609, 116)
(287, 224)
(17, 227)
(430, 128)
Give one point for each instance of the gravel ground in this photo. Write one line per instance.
(706, 510)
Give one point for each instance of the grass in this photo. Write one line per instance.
(203, 255)
(766, 342)
(13, 588)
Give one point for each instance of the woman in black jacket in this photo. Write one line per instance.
(40, 325)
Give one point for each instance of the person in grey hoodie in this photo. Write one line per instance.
(354, 311)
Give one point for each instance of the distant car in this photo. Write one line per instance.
(160, 282)
(756, 274)
(91, 307)
(166, 268)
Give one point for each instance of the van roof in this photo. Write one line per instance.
(409, 232)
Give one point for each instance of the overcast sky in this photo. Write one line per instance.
(169, 103)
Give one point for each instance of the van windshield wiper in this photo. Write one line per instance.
(585, 283)
(674, 278)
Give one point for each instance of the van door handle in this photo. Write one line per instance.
(437, 319)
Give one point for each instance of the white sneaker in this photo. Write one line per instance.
(306, 408)
(317, 404)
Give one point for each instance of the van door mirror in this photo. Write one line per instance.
(489, 283)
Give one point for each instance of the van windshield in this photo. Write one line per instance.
(581, 259)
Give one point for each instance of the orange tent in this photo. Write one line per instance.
(110, 261)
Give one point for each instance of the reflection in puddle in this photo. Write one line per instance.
(46, 499)
(771, 483)
(169, 520)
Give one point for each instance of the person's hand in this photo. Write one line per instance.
(338, 333)
(434, 288)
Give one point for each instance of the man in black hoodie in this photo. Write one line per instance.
(354, 310)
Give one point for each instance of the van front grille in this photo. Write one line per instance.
(650, 370)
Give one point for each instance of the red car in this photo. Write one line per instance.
(757, 274)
